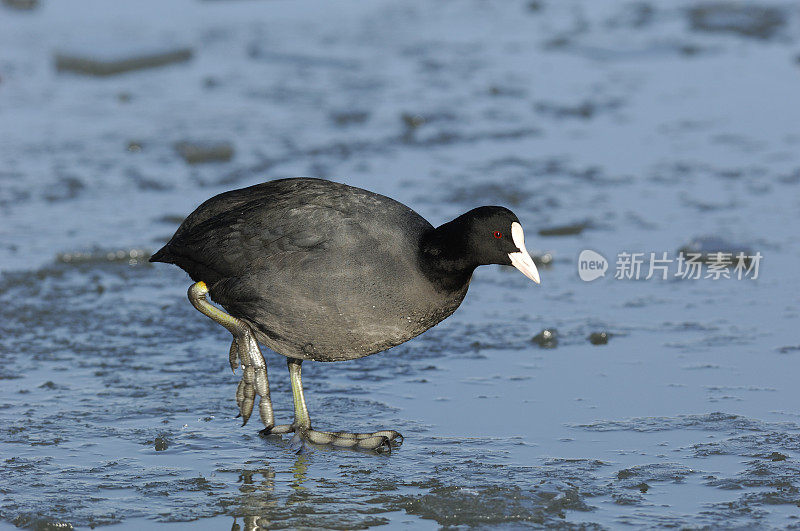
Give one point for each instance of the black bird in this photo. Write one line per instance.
(318, 270)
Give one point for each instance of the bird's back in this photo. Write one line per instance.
(320, 270)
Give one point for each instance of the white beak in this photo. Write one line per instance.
(522, 260)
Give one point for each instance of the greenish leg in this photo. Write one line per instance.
(380, 441)
(302, 422)
(244, 351)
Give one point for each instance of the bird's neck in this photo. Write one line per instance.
(445, 258)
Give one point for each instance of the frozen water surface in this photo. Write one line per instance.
(652, 123)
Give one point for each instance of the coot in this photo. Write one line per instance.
(318, 270)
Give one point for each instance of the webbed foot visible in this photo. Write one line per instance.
(379, 441)
(254, 380)
(244, 352)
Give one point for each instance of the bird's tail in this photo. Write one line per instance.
(163, 255)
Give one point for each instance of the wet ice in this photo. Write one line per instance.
(116, 403)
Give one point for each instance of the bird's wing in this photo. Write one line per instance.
(252, 237)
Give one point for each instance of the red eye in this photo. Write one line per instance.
(498, 234)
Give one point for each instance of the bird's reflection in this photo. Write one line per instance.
(257, 487)
(299, 472)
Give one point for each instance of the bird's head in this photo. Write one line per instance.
(495, 236)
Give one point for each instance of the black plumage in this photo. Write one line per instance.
(324, 271)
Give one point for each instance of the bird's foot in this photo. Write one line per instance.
(245, 352)
(380, 441)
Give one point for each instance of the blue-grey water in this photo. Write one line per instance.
(651, 123)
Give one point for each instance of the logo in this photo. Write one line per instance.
(591, 265)
(717, 265)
